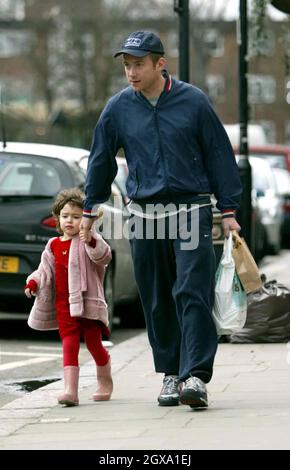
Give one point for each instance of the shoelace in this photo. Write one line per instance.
(196, 384)
(170, 385)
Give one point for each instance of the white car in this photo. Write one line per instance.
(267, 202)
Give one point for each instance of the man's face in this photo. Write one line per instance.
(141, 73)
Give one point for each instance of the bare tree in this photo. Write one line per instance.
(73, 58)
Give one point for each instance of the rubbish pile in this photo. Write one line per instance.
(268, 316)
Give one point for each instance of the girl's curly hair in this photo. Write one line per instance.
(72, 196)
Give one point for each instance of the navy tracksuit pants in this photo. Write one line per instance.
(176, 288)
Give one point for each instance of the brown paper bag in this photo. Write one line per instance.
(246, 267)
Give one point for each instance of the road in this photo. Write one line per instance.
(30, 359)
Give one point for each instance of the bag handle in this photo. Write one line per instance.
(227, 258)
(237, 241)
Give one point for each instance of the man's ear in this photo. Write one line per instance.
(161, 63)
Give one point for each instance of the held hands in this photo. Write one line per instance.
(86, 225)
(230, 224)
(85, 229)
(85, 236)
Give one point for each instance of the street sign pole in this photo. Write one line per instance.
(181, 7)
(245, 211)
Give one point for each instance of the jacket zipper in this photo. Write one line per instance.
(137, 182)
(142, 97)
(160, 147)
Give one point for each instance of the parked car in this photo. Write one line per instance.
(277, 155)
(264, 235)
(30, 176)
(267, 210)
(282, 178)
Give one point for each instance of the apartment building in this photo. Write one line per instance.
(58, 54)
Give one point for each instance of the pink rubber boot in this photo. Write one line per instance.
(71, 382)
(105, 383)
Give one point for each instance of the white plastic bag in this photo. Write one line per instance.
(230, 305)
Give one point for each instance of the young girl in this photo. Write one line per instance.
(68, 285)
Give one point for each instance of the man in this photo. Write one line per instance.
(178, 154)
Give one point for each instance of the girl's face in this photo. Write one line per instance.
(69, 220)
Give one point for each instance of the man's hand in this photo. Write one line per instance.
(86, 223)
(230, 224)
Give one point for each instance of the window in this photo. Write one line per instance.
(262, 89)
(16, 90)
(12, 9)
(29, 176)
(89, 45)
(287, 132)
(112, 42)
(264, 46)
(270, 130)
(172, 44)
(15, 42)
(214, 42)
(216, 87)
(288, 90)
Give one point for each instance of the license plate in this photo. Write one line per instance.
(9, 264)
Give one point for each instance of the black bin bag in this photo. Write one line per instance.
(268, 316)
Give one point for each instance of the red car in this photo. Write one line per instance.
(277, 155)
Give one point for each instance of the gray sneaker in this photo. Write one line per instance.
(169, 395)
(194, 393)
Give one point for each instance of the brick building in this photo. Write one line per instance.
(52, 58)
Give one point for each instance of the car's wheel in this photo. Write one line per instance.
(133, 316)
(109, 293)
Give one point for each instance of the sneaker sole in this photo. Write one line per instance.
(193, 402)
(169, 402)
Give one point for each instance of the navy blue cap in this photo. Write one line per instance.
(141, 43)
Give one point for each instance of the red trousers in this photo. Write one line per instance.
(71, 330)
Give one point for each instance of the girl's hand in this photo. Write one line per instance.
(85, 236)
(29, 293)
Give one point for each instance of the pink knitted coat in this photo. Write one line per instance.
(86, 271)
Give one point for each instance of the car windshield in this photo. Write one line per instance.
(27, 175)
(275, 160)
(282, 180)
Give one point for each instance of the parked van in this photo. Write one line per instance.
(256, 134)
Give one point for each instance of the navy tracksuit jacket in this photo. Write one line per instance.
(174, 151)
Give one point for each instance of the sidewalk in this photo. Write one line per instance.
(249, 406)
